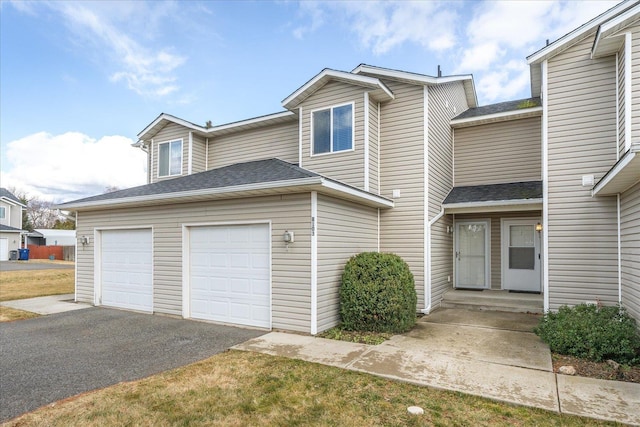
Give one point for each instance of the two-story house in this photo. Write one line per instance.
(10, 223)
(252, 222)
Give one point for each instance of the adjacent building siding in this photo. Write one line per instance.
(345, 166)
(12, 215)
(635, 83)
(170, 132)
(621, 101)
(496, 238)
(344, 229)
(279, 141)
(498, 153)
(582, 229)
(290, 271)
(374, 138)
(402, 168)
(630, 239)
(445, 102)
(199, 156)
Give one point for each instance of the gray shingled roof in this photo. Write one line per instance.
(502, 107)
(270, 170)
(495, 192)
(9, 195)
(7, 228)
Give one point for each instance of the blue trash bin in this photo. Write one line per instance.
(23, 254)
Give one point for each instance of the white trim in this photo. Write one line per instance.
(314, 263)
(173, 119)
(378, 248)
(628, 77)
(426, 250)
(97, 260)
(519, 114)
(614, 171)
(186, 261)
(494, 203)
(170, 175)
(378, 150)
(545, 185)
(151, 163)
(190, 154)
(353, 129)
(608, 29)
(300, 137)
(327, 75)
(619, 249)
(366, 141)
(311, 181)
(617, 108)
(252, 121)
(564, 41)
(420, 79)
(75, 273)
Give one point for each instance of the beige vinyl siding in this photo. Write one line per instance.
(621, 101)
(445, 102)
(291, 277)
(374, 138)
(496, 238)
(345, 166)
(199, 156)
(12, 215)
(498, 153)
(344, 229)
(402, 168)
(582, 243)
(630, 239)
(170, 132)
(635, 83)
(279, 141)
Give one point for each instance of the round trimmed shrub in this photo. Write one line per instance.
(377, 294)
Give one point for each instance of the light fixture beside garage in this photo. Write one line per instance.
(288, 237)
(83, 240)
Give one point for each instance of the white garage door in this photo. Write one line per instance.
(230, 274)
(126, 268)
(4, 249)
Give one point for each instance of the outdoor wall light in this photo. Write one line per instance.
(538, 227)
(83, 240)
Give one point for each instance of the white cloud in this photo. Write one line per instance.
(72, 165)
(384, 25)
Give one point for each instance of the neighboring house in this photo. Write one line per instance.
(10, 223)
(51, 237)
(252, 222)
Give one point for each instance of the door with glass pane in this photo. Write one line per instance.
(472, 254)
(520, 255)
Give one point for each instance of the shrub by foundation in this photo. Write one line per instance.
(592, 332)
(377, 294)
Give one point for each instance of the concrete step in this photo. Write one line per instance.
(493, 300)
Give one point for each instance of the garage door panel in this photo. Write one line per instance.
(126, 269)
(235, 260)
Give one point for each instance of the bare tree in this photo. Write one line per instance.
(41, 213)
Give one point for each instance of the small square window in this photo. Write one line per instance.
(333, 129)
(170, 158)
(3, 212)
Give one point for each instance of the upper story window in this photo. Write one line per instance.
(332, 129)
(170, 158)
(3, 212)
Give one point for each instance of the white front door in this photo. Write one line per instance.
(472, 254)
(520, 255)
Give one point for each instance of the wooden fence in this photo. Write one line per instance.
(67, 253)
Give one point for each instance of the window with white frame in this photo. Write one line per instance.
(332, 129)
(3, 212)
(170, 158)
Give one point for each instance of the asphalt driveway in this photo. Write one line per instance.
(46, 359)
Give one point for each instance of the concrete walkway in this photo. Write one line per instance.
(47, 305)
(489, 354)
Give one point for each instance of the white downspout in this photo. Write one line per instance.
(426, 222)
(366, 141)
(545, 186)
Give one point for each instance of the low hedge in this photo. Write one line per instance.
(377, 294)
(592, 332)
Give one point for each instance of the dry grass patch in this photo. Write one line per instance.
(35, 283)
(242, 388)
(8, 314)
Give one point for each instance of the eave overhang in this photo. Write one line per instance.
(622, 176)
(421, 79)
(608, 41)
(493, 206)
(497, 117)
(12, 202)
(317, 183)
(378, 91)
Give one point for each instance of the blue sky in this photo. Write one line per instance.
(79, 80)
